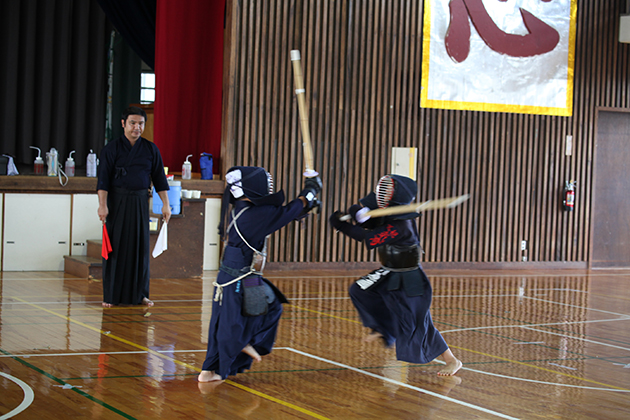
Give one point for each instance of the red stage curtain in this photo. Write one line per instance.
(189, 74)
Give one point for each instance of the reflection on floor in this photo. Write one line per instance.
(534, 344)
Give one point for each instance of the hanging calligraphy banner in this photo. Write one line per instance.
(499, 55)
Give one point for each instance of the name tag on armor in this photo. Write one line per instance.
(371, 279)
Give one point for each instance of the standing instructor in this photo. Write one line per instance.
(126, 169)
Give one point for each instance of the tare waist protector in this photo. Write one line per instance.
(399, 257)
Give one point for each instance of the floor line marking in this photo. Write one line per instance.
(29, 396)
(212, 274)
(562, 366)
(108, 334)
(402, 384)
(156, 353)
(323, 298)
(535, 381)
(72, 388)
(326, 314)
(557, 289)
(23, 302)
(555, 372)
(577, 338)
(276, 400)
(575, 306)
(494, 327)
(98, 353)
(516, 378)
(492, 356)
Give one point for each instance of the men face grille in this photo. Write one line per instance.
(384, 191)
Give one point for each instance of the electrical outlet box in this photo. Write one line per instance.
(523, 245)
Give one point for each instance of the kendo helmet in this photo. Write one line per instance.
(253, 183)
(392, 190)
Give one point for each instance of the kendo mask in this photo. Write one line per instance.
(251, 182)
(392, 190)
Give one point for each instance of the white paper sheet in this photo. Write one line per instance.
(161, 244)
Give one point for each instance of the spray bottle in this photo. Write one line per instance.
(38, 165)
(187, 169)
(91, 164)
(70, 165)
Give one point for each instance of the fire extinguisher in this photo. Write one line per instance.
(569, 195)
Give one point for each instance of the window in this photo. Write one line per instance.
(147, 88)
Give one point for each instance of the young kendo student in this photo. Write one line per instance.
(394, 300)
(247, 307)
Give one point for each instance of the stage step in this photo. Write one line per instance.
(83, 266)
(94, 248)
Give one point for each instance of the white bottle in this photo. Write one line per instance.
(53, 161)
(70, 165)
(187, 169)
(91, 164)
(38, 165)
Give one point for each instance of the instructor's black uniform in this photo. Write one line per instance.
(126, 172)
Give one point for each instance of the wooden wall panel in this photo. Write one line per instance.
(362, 70)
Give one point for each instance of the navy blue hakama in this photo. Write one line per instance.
(400, 318)
(230, 331)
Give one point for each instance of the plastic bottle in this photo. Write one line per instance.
(70, 165)
(91, 164)
(187, 169)
(38, 165)
(52, 159)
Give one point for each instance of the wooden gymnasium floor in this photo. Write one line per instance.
(535, 345)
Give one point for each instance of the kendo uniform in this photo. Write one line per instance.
(395, 299)
(126, 173)
(235, 323)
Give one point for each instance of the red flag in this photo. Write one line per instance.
(107, 245)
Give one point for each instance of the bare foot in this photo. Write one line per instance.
(146, 301)
(451, 368)
(208, 376)
(107, 305)
(373, 336)
(453, 364)
(251, 352)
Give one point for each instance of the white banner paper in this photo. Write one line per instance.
(499, 55)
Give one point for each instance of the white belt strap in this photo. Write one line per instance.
(218, 292)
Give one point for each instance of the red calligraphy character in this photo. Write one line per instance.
(540, 39)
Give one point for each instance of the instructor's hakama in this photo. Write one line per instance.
(126, 271)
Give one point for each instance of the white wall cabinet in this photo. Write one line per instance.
(85, 222)
(40, 229)
(36, 231)
(1, 221)
(211, 239)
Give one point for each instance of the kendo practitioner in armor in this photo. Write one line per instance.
(394, 300)
(247, 307)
